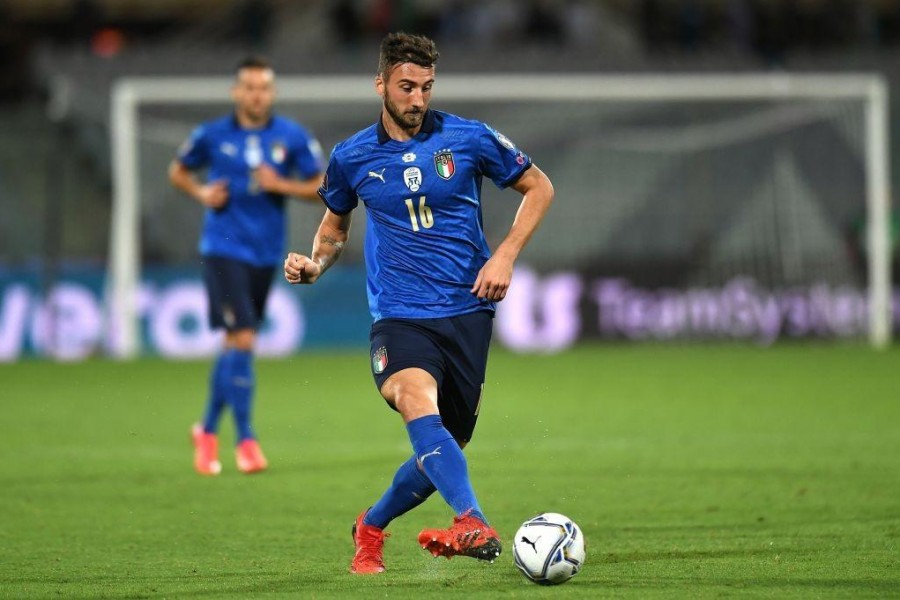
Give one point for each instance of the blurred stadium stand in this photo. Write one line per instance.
(60, 57)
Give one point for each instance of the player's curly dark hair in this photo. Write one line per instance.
(398, 48)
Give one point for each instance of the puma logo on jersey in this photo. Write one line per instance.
(436, 451)
(377, 175)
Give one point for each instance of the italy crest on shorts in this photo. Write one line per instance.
(444, 165)
(379, 360)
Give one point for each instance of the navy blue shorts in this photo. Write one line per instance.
(453, 350)
(237, 292)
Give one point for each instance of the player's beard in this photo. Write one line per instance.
(407, 120)
(257, 113)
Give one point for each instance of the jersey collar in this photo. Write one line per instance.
(237, 124)
(427, 127)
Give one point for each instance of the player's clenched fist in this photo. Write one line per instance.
(301, 269)
(213, 195)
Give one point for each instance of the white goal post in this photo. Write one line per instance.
(130, 94)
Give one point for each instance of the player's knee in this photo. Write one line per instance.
(409, 399)
(241, 339)
(412, 396)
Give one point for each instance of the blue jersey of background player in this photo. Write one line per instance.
(250, 164)
(432, 283)
(254, 161)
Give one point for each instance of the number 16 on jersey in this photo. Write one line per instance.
(424, 216)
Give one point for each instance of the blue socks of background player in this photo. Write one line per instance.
(232, 382)
(410, 488)
(444, 464)
(217, 393)
(240, 391)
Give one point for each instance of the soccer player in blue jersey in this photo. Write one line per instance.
(254, 161)
(432, 283)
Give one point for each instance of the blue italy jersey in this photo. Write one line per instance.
(425, 242)
(251, 227)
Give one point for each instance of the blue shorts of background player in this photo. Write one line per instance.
(237, 292)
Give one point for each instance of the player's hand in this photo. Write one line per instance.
(214, 195)
(268, 178)
(493, 279)
(301, 269)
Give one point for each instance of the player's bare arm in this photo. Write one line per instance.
(211, 195)
(496, 274)
(334, 230)
(270, 181)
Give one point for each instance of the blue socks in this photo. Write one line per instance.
(217, 394)
(240, 391)
(444, 464)
(410, 488)
(232, 383)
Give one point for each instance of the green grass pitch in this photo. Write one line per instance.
(694, 471)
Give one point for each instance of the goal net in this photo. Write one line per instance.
(686, 206)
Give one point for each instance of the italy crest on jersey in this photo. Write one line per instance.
(444, 165)
(279, 152)
(379, 360)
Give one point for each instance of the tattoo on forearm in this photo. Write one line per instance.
(331, 241)
(336, 245)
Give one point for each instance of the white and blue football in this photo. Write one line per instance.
(549, 549)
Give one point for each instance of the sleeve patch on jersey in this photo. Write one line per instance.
(504, 141)
(315, 148)
(186, 146)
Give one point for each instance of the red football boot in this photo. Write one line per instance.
(369, 543)
(206, 451)
(250, 458)
(468, 536)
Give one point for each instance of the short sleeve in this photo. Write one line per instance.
(335, 191)
(308, 158)
(499, 158)
(194, 152)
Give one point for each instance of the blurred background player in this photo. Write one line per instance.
(432, 283)
(250, 156)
